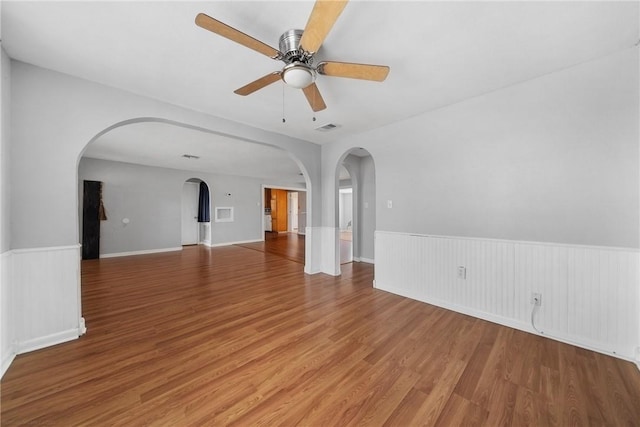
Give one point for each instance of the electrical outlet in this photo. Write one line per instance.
(462, 272)
(536, 299)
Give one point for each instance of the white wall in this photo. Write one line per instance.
(5, 164)
(553, 160)
(7, 335)
(346, 210)
(302, 212)
(54, 118)
(367, 208)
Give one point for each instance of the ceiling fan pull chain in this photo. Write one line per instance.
(283, 119)
(314, 103)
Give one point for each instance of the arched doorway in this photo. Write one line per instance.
(345, 215)
(359, 165)
(178, 139)
(196, 212)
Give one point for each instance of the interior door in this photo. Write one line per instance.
(281, 209)
(293, 211)
(190, 194)
(91, 220)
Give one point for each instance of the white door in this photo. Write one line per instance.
(293, 211)
(302, 212)
(190, 195)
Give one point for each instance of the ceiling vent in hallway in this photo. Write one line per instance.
(190, 156)
(327, 127)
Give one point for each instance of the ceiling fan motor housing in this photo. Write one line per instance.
(289, 44)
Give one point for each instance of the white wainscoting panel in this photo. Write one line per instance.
(46, 283)
(318, 257)
(590, 295)
(7, 333)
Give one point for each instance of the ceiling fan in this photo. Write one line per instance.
(297, 50)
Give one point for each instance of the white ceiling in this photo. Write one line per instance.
(439, 53)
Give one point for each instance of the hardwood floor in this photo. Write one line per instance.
(234, 336)
(287, 245)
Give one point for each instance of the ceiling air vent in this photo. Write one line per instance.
(190, 156)
(327, 127)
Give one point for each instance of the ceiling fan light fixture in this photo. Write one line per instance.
(298, 75)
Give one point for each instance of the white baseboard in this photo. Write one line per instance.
(310, 271)
(366, 260)
(144, 252)
(48, 249)
(82, 328)
(240, 242)
(47, 341)
(6, 362)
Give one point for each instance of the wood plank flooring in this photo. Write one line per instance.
(287, 245)
(235, 336)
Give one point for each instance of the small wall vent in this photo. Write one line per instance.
(190, 156)
(328, 127)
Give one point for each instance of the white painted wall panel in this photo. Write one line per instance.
(590, 295)
(7, 335)
(316, 260)
(46, 283)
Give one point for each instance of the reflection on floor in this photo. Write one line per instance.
(286, 245)
(291, 246)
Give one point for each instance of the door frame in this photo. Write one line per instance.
(274, 187)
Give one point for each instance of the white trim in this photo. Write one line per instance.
(82, 326)
(7, 322)
(217, 245)
(45, 249)
(519, 242)
(48, 340)
(219, 218)
(6, 362)
(144, 252)
(367, 260)
(281, 187)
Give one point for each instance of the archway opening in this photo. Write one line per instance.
(144, 208)
(355, 172)
(345, 215)
(196, 213)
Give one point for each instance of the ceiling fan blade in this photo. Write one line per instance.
(353, 71)
(323, 16)
(222, 29)
(313, 96)
(258, 84)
